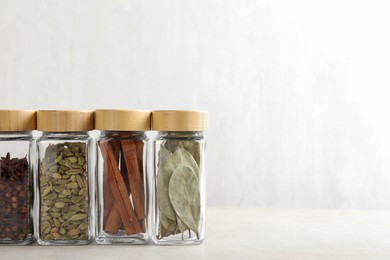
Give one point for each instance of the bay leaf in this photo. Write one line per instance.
(191, 150)
(173, 145)
(167, 227)
(164, 174)
(171, 227)
(187, 160)
(161, 230)
(193, 147)
(175, 157)
(181, 225)
(184, 194)
(168, 162)
(163, 155)
(165, 221)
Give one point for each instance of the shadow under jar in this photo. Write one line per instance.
(121, 172)
(65, 186)
(16, 171)
(179, 181)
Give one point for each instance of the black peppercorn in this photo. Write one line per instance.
(14, 200)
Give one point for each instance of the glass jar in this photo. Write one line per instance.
(16, 181)
(65, 184)
(179, 189)
(121, 172)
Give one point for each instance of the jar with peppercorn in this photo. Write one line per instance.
(16, 182)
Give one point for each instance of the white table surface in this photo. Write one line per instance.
(234, 233)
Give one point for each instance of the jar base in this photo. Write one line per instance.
(176, 242)
(62, 242)
(8, 242)
(107, 239)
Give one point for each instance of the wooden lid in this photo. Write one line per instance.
(64, 120)
(122, 120)
(18, 120)
(179, 120)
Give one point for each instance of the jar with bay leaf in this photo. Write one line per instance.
(179, 180)
(65, 186)
(16, 176)
(121, 172)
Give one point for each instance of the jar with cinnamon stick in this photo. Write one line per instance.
(179, 178)
(65, 183)
(122, 197)
(16, 181)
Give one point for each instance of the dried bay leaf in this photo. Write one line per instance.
(187, 160)
(163, 155)
(181, 225)
(167, 230)
(163, 176)
(173, 145)
(184, 194)
(175, 158)
(165, 221)
(189, 149)
(170, 230)
(185, 214)
(193, 148)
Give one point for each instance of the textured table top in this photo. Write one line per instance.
(234, 233)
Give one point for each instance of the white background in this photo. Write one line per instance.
(297, 90)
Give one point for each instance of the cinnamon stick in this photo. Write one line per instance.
(111, 220)
(124, 170)
(140, 156)
(142, 225)
(136, 183)
(108, 199)
(118, 187)
(114, 220)
(115, 146)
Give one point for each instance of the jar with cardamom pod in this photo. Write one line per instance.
(179, 190)
(65, 180)
(16, 176)
(121, 171)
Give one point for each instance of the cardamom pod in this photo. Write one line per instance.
(64, 194)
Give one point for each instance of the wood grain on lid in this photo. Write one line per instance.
(17, 120)
(122, 120)
(64, 120)
(179, 120)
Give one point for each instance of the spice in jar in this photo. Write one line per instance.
(121, 174)
(65, 188)
(124, 198)
(178, 188)
(64, 192)
(14, 198)
(179, 178)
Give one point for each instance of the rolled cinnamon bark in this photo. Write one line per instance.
(122, 201)
(134, 176)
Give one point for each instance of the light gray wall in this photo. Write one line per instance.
(297, 90)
